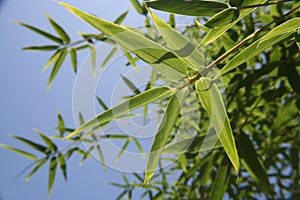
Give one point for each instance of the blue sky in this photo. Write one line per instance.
(25, 103)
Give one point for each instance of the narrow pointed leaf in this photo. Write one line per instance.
(165, 129)
(138, 7)
(223, 18)
(101, 103)
(179, 44)
(213, 34)
(62, 164)
(235, 3)
(57, 65)
(53, 59)
(47, 140)
(211, 100)
(252, 164)
(131, 86)
(59, 30)
(123, 149)
(41, 48)
(42, 33)
(73, 54)
(34, 145)
(21, 152)
(121, 18)
(38, 165)
(252, 50)
(52, 172)
(191, 7)
(138, 145)
(286, 27)
(151, 52)
(93, 58)
(109, 57)
(61, 124)
(131, 104)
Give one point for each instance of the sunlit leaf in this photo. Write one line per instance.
(62, 164)
(109, 57)
(59, 30)
(123, 149)
(138, 145)
(53, 59)
(52, 172)
(21, 152)
(191, 7)
(121, 18)
(42, 33)
(172, 20)
(189, 53)
(165, 128)
(93, 58)
(211, 99)
(138, 7)
(58, 63)
(223, 18)
(133, 103)
(153, 53)
(61, 124)
(73, 58)
(251, 51)
(41, 48)
(284, 28)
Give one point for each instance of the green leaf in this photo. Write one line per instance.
(211, 100)
(41, 48)
(213, 34)
(61, 57)
(293, 78)
(185, 50)
(235, 3)
(165, 129)
(59, 30)
(131, 86)
(101, 103)
(250, 161)
(251, 51)
(53, 59)
(191, 7)
(121, 18)
(47, 141)
(38, 165)
(93, 58)
(34, 145)
(61, 125)
(223, 18)
(284, 28)
(138, 145)
(131, 104)
(109, 57)
(52, 172)
(220, 182)
(123, 149)
(42, 33)
(138, 7)
(160, 58)
(62, 164)
(73, 58)
(21, 152)
(172, 20)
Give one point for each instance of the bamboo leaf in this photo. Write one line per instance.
(93, 58)
(133, 103)
(52, 172)
(284, 28)
(151, 52)
(123, 149)
(138, 7)
(138, 145)
(185, 50)
(47, 141)
(251, 51)
(109, 57)
(53, 59)
(41, 48)
(21, 152)
(250, 161)
(121, 18)
(62, 164)
(213, 34)
(42, 33)
(236, 3)
(38, 165)
(59, 30)
(131, 86)
(101, 103)
(211, 100)
(61, 124)
(61, 57)
(73, 58)
(34, 145)
(164, 131)
(223, 18)
(191, 7)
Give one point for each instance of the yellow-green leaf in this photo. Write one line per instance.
(41, 48)
(223, 18)
(59, 30)
(38, 165)
(52, 172)
(165, 129)
(62, 164)
(21, 152)
(73, 58)
(211, 99)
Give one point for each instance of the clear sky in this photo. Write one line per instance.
(25, 103)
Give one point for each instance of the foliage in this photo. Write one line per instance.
(255, 48)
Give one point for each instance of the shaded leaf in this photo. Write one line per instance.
(47, 141)
(34, 145)
(123, 149)
(235, 3)
(61, 124)
(211, 100)
(52, 172)
(93, 58)
(138, 145)
(62, 164)
(191, 7)
(293, 78)
(59, 30)
(109, 57)
(223, 18)
(61, 57)
(131, 86)
(101, 103)
(38, 165)
(21, 152)
(133, 103)
(41, 48)
(42, 33)
(165, 128)
(73, 55)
